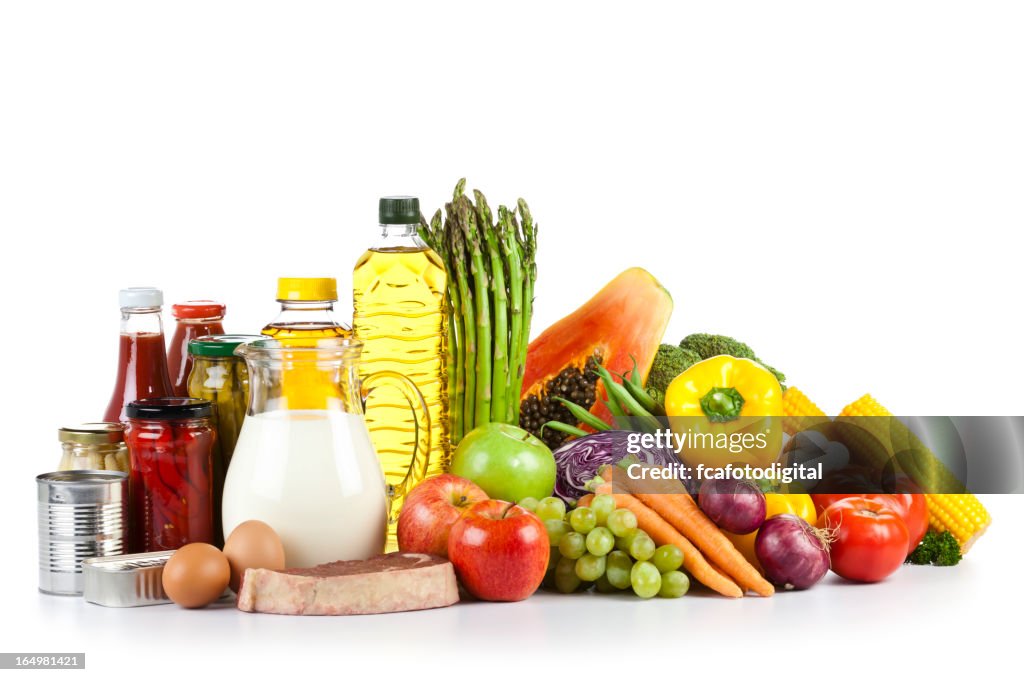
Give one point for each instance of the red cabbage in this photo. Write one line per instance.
(579, 459)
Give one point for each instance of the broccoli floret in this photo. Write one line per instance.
(709, 345)
(669, 362)
(939, 549)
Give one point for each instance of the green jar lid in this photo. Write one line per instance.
(219, 345)
(399, 211)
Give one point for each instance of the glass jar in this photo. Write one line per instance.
(170, 446)
(98, 446)
(195, 319)
(222, 378)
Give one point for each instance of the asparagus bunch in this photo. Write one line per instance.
(492, 268)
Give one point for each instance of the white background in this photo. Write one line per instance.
(837, 184)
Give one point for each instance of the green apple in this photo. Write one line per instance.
(507, 462)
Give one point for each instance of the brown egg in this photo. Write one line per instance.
(253, 544)
(196, 575)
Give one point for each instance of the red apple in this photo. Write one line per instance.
(430, 511)
(500, 551)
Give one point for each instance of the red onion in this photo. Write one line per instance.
(736, 506)
(792, 553)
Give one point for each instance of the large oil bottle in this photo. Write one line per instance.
(399, 313)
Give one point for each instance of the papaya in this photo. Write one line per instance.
(625, 320)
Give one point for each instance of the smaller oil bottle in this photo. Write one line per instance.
(307, 310)
(400, 315)
(307, 313)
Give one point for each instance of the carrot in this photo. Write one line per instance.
(664, 534)
(585, 500)
(669, 499)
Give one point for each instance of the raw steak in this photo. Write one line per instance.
(382, 584)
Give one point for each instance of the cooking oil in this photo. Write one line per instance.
(307, 313)
(400, 316)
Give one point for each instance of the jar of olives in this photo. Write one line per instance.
(96, 446)
(221, 378)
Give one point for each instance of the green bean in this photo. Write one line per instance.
(583, 415)
(564, 428)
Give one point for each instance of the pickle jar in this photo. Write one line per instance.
(222, 378)
(97, 446)
(170, 447)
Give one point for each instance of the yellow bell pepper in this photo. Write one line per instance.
(800, 504)
(728, 411)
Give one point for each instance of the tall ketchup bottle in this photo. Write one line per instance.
(142, 361)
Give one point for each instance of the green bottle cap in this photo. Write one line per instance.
(399, 211)
(218, 346)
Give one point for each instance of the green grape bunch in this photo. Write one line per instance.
(601, 546)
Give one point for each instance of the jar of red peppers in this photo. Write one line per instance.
(170, 444)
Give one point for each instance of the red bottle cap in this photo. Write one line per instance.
(192, 310)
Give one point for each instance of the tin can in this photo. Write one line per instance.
(128, 580)
(82, 514)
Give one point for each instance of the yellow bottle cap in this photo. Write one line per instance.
(307, 289)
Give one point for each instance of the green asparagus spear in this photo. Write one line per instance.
(460, 190)
(529, 243)
(517, 351)
(499, 308)
(466, 335)
(430, 233)
(474, 244)
(433, 235)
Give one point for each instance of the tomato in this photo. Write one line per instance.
(824, 501)
(914, 511)
(910, 506)
(871, 539)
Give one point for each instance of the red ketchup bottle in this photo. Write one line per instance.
(170, 445)
(195, 319)
(142, 363)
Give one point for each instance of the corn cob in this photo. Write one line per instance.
(799, 412)
(962, 515)
(867, 439)
(865, 406)
(895, 440)
(879, 440)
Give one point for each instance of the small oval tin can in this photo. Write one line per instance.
(82, 514)
(128, 580)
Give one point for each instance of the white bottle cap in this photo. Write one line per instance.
(140, 297)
